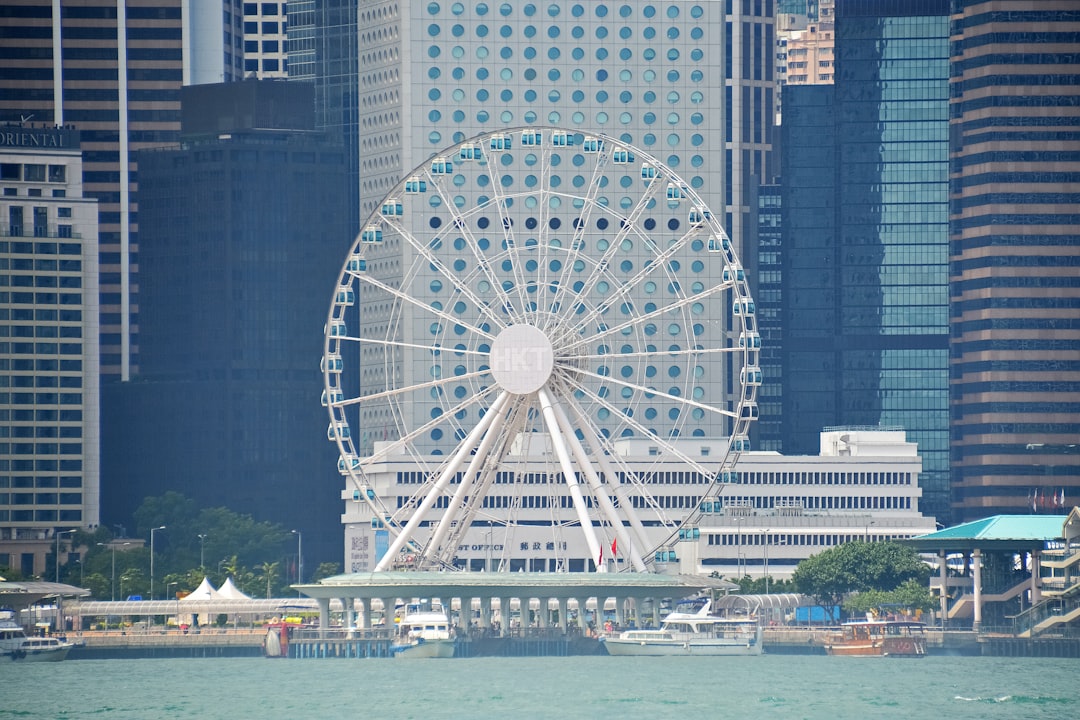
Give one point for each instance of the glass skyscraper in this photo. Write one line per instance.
(1015, 234)
(867, 288)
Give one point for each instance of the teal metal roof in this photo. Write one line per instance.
(998, 532)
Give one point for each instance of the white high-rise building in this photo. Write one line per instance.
(49, 387)
(681, 80)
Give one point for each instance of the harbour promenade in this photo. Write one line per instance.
(309, 643)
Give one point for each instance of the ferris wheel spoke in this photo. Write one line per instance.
(405, 441)
(459, 221)
(664, 353)
(398, 344)
(680, 303)
(426, 307)
(646, 390)
(645, 432)
(477, 482)
(498, 200)
(410, 389)
(439, 486)
(604, 455)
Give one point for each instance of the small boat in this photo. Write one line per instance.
(15, 645)
(880, 638)
(691, 629)
(423, 632)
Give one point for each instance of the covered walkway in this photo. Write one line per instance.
(644, 590)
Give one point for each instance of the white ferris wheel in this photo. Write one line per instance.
(519, 316)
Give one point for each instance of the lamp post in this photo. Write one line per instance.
(112, 546)
(58, 533)
(487, 536)
(202, 551)
(152, 531)
(765, 542)
(866, 531)
(299, 557)
(167, 586)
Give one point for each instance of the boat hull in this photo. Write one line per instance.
(617, 646)
(425, 649)
(54, 653)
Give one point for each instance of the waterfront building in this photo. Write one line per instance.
(49, 399)
(244, 238)
(114, 71)
(776, 510)
(1015, 247)
(865, 172)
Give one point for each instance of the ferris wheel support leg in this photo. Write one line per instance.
(448, 473)
(620, 492)
(477, 462)
(606, 506)
(571, 479)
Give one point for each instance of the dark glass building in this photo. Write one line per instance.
(323, 48)
(767, 287)
(243, 239)
(1015, 257)
(866, 289)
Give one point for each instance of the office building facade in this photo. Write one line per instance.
(866, 282)
(1015, 248)
(113, 70)
(243, 239)
(49, 398)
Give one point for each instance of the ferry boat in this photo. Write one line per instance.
(424, 632)
(691, 629)
(14, 645)
(881, 638)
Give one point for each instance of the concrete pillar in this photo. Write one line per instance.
(544, 619)
(465, 617)
(324, 616)
(504, 616)
(366, 613)
(564, 604)
(943, 576)
(1036, 587)
(976, 574)
(656, 611)
(485, 612)
(582, 615)
(346, 612)
(620, 614)
(388, 615)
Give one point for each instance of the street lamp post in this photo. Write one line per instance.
(113, 548)
(299, 557)
(765, 541)
(202, 551)
(58, 533)
(152, 531)
(167, 586)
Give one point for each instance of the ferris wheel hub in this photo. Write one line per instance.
(521, 359)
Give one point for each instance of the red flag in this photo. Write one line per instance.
(600, 561)
(615, 547)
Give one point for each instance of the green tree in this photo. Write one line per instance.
(910, 596)
(326, 570)
(856, 567)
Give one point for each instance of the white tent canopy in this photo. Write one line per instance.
(229, 591)
(205, 591)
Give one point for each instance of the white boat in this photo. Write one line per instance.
(14, 645)
(424, 632)
(691, 629)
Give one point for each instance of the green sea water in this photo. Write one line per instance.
(625, 688)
